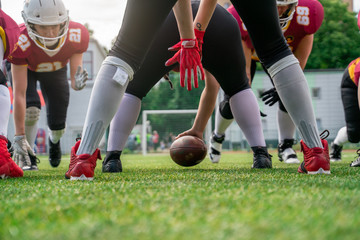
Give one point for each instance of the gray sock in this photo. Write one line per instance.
(105, 99)
(294, 92)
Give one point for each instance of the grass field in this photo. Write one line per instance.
(155, 199)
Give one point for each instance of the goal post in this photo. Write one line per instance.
(145, 114)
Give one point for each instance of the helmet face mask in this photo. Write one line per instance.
(46, 13)
(286, 15)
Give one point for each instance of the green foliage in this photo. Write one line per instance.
(337, 42)
(156, 199)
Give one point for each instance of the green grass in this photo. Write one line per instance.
(156, 199)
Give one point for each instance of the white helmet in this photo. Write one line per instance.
(46, 12)
(288, 14)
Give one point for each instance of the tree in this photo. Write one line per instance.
(337, 42)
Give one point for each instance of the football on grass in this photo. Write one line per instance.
(188, 151)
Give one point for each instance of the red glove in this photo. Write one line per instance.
(199, 37)
(190, 62)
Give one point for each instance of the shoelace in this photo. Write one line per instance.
(324, 134)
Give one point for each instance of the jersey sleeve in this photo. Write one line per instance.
(244, 33)
(79, 37)
(316, 15)
(21, 51)
(9, 32)
(357, 73)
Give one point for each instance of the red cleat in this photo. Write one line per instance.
(8, 168)
(73, 159)
(316, 160)
(84, 166)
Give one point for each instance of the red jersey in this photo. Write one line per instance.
(9, 32)
(359, 20)
(307, 19)
(28, 53)
(354, 71)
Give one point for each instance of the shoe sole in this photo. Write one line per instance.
(320, 171)
(81, 178)
(292, 161)
(214, 158)
(335, 160)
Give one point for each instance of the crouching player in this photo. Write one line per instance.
(350, 98)
(9, 33)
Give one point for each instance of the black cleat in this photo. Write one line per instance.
(112, 162)
(335, 152)
(34, 161)
(54, 153)
(262, 159)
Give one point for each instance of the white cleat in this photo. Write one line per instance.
(285, 152)
(215, 148)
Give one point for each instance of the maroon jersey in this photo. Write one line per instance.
(307, 19)
(38, 60)
(354, 71)
(9, 32)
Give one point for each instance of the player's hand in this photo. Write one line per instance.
(190, 132)
(270, 97)
(200, 40)
(190, 63)
(22, 150)
(81, 76)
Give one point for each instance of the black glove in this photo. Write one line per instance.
(270, 97)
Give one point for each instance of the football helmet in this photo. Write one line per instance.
(287, 15)
(46, 12)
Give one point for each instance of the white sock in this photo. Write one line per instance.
(221, 123)
(30, 133)
(55, 135)
(123, 122)
(4, 109)
(341, 137)
(246, 111)
(286, 127)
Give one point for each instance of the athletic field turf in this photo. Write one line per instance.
(155, 199)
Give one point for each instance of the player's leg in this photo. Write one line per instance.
(141, 22)
(55, 90)
(288, 78)
(120, 129)
(351, 132)
(152, 70)
(230, 73)
(8, 167)
(32, 115)
(286, 132)
(223, 119)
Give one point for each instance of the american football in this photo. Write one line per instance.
(188, 151)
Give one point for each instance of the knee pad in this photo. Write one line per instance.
(32, 116)
(225, 110)
(123, 73)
